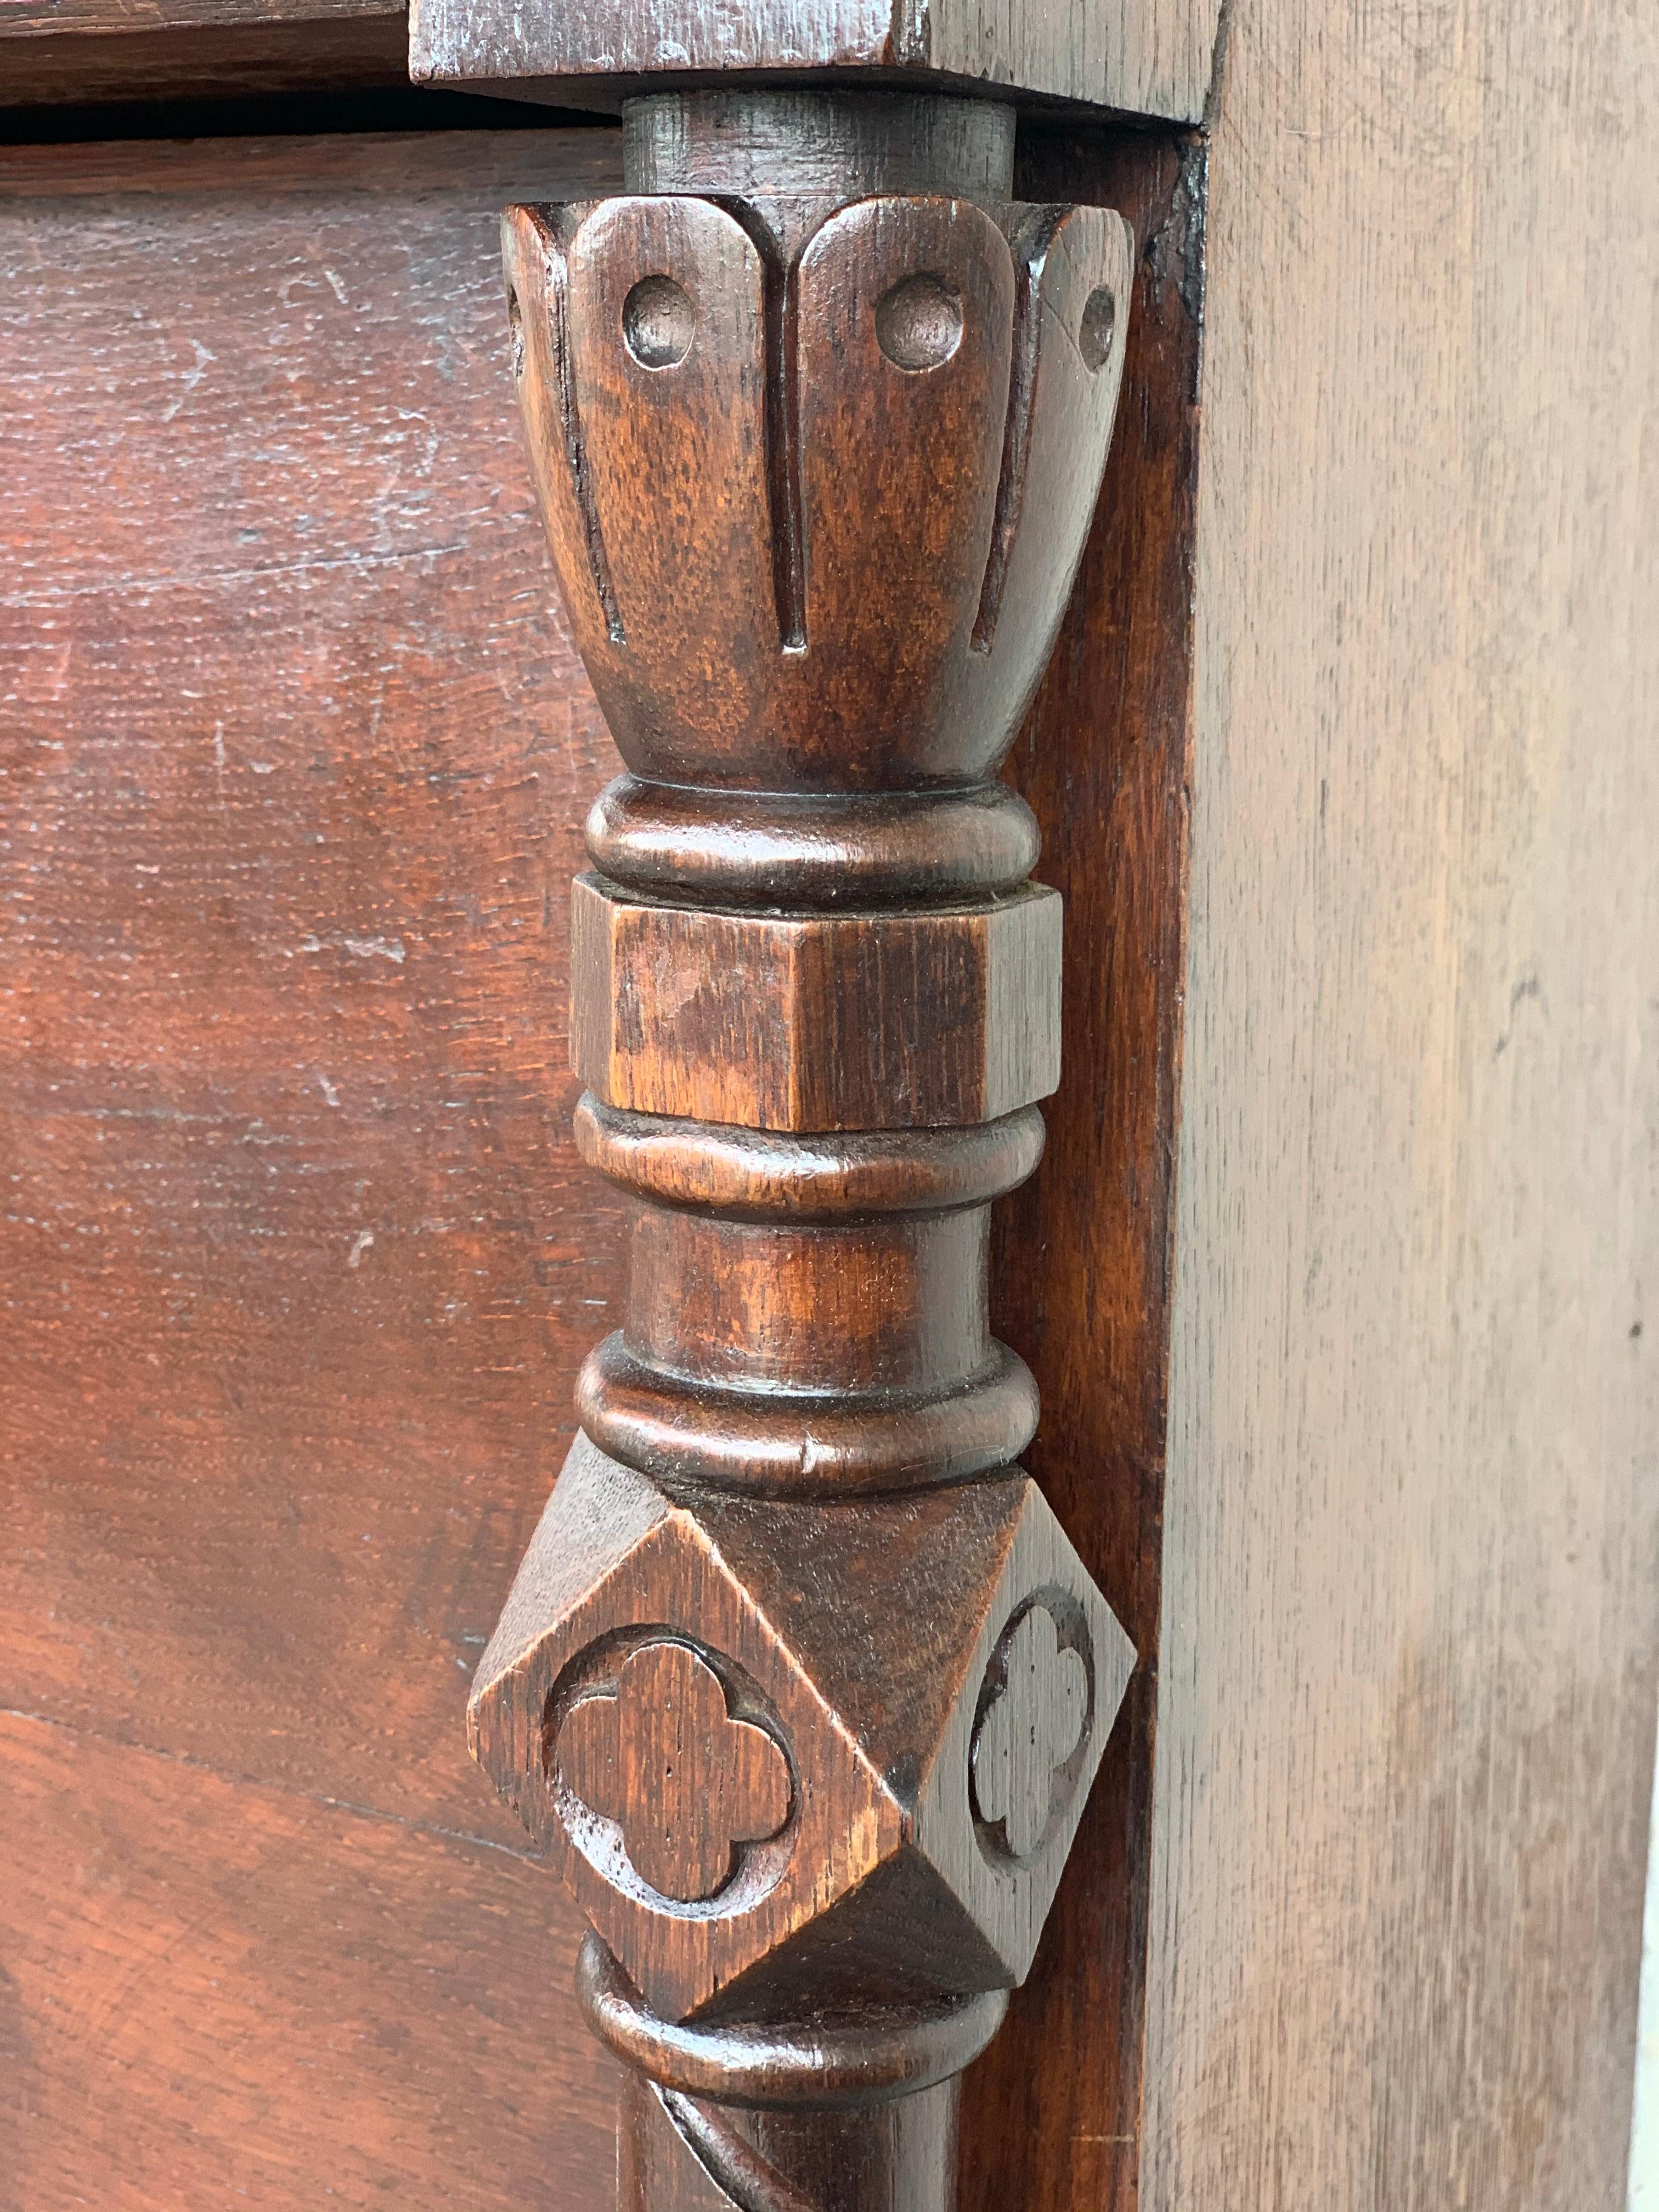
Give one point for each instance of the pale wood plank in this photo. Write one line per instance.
(1411, 1613)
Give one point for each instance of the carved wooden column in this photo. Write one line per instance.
(800, 1684)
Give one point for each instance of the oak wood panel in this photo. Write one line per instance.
(53, 51)
(389, 165)
(1153, 58)
(215, 1991)
(1048, 2124)
(1080, 1272)
(298, 1261)
(1411, 1623)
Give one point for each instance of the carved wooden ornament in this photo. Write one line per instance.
(800, 1684)
(686, 1783)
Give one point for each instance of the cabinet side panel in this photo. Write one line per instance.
(1411, 1611)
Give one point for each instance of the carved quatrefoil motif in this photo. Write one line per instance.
(687, 1782)
(1030, 1729)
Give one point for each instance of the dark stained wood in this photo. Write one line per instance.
(206, 1432)
(684, 2154)
(865, 1638)
(33, 19)
(297, 1261)
(681, 493)
(814, 2103)
(862, 1176)
(1081, 1269)
(290, 168)
(216, 1991)
(796, 1024)
(725, 140)
(727, 1784)
(800, 1683)
(822, 850)
(53, 52)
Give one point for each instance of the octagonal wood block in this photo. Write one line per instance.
(836, 1020)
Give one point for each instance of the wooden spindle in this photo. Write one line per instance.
(800, 1684)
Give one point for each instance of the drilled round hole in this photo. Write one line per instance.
(658, 321)
(919, 323)
(1094, 336)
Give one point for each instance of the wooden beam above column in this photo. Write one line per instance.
(1139, 57)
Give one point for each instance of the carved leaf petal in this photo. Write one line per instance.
(900, 445)
(676, 442)
(1075, 268)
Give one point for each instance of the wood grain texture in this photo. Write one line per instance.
(215, 1991)
(1410, 1621)
(389, 165)
(1080, 1268)
(726, 1783)
(806, 2109)
(763, 600)
(877, 1888)
(754, 142)
(297, 1261)
(824, 850)
(680, 2153)
(819, 1022)
(56, 51)
(26, 19)
(1151, 59)
(195, 1473)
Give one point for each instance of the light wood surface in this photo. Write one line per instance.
(1154, 58)
(1411, 1611)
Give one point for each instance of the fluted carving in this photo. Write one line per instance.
(816, 522)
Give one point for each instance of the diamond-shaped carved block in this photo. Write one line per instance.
(773, 1746)
(857, 1021)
